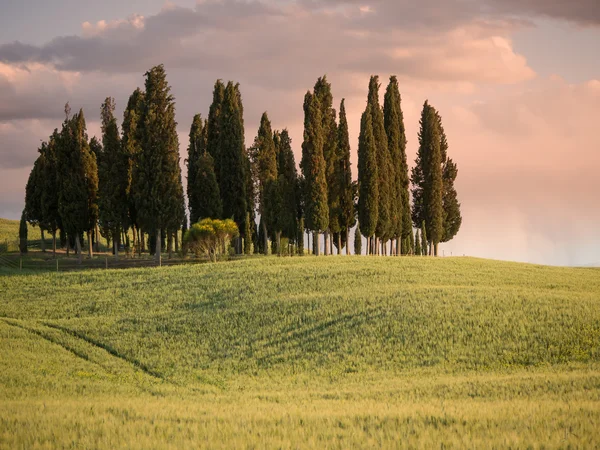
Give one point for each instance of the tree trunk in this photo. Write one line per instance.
(97, 240)
(142, 240)
(340, 243)
(78, 249)
(116, 246)
(326, 243)
(278, 239)
(398, 249)
(307, 241)
(266, 242)
(170, 244)
(54, 244)
(90, 248)
(43, 244)
(331, 245)
(176, 242)
(317, 250)
(157, 252)
(435, 249)
(348, 241)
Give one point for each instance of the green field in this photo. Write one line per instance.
(332, 352)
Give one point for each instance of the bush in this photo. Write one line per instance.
(211, 237)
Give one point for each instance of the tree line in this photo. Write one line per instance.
(129, 182)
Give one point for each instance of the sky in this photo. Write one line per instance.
(517, 83)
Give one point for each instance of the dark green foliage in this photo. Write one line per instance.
(322, 91)
(157, 186)
(49, 200)
(384, 173)
(357, 241)
(269, 195)
(197, 148)
(213, 141)
(131, 144)
(368, 198)
(260, 244)
(396, 134)
(452, 216)
(34, 190)
(316, 209)
(77, 178)
(206, 190)
(427, 177)
(113, 173)
(23, 233)
(424, 241)
(232, 154)
(418, 250)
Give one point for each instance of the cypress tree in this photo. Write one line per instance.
(347, 216)
(113, 175)
(213, 141)
(452, 216)
(131, 144)
(23, 233)
(418, 250)
(49, 198)
(313, 169)
(396, 134)
(322, 91)
(158, 188)
(267, 176)
(427, 178)
(368, 199)
(196, 149)
(383, 229)
(78, 181)
(206, 190)
(232, 153)
(34, 190)
(357, 242)
(288, 185)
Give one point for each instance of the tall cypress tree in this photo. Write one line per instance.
(232, 151)
(424, 241)
(206, 190)
(427, 178)
(23, 233)
(51, 220)
(213, 141)
(313, 169)
(368, 199)
(158, 188)
(267, 176)
(34, 190)
(452, 216)
(322, 91)
(396, 134)
(347, 216)
(78, 181)
(383, 229)
(113, 174)
(131, 144)
(288, 185)
(196, 149)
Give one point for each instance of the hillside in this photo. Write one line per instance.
(304, 351)
(9, 230)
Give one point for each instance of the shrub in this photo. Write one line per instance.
(211, 237)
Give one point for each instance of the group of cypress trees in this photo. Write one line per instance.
(131, 180)
(125, 181)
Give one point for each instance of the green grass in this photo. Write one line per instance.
(9, 231)
(302, 352)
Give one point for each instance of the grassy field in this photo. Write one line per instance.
(307, 352)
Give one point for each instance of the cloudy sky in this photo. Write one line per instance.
(517, 83)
